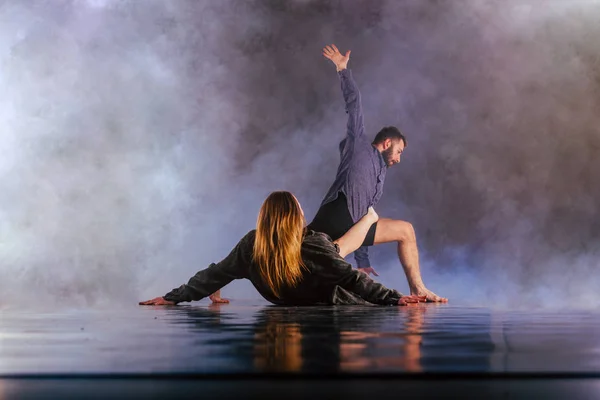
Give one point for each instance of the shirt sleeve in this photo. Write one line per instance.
(339, 272)
(355, 127)
(361, 255)
(213, 278)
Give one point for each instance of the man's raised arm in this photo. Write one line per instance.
(350, 91)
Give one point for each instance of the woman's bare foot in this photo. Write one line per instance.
(216, 298)
(372, 214)
(353, 239)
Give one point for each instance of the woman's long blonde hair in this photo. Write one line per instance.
(279, 235)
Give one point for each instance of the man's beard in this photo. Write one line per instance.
(387, 156)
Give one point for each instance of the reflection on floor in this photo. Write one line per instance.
(383, 347)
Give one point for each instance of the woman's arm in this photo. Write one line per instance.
(213, 278)
(339, 272)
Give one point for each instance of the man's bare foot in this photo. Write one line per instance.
(429, 295)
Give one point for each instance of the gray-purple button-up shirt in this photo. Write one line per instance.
(362, 168)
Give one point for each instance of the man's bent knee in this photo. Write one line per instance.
(406, 232)
(390, 230)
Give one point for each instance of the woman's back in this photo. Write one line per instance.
(327, 278)
(290, 265)
(317, 252)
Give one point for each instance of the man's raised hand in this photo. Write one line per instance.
(341, 61)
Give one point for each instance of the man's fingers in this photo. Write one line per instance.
(332, 51)
(375, 273)
(328, 54)
(347, 54)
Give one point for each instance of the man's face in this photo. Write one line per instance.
(392, 151)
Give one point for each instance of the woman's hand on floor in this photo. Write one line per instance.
(406, 300)
(157, 301)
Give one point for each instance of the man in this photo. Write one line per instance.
(359, 185)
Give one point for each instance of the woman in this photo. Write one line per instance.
(290, 265)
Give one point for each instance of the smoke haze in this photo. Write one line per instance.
(138, 142)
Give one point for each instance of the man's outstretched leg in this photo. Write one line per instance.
(402, 232)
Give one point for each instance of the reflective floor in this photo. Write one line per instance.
(258, 340)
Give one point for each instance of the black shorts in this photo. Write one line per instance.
(334, 219)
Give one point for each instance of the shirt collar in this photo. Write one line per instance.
(382, 163)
